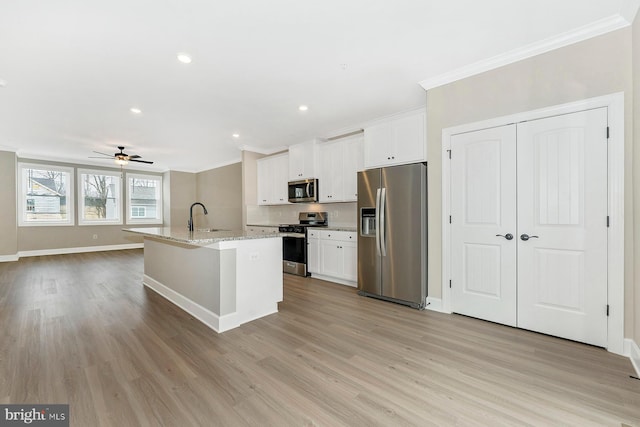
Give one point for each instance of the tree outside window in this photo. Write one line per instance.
(100, 198)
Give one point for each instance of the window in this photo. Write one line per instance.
(46, 195)
(99, 194)
(138, 212)
(144, 199)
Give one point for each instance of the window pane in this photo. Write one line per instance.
(45, 195)
(100, 197)
(145, 201)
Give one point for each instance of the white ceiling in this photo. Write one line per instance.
(73, 68)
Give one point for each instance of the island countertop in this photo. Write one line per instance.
(199, 237)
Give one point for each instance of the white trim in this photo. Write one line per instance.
(265, 151)
(9, 258)
(219, 165)
(79, 250)
(629, 9)
(434, 304)
(22, 194)
(118, 197)
(632, 350)
(615, 291)
(127, 199)
(334, 280)
(209, 318)
(602, 26)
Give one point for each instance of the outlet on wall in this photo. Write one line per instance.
(95, 237)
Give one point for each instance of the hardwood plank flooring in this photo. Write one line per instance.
(81, 329)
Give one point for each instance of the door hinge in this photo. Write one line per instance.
(449, 219)
(607, 221)
(607, 310)
(449, 151)
(449, 284)
(607, 132)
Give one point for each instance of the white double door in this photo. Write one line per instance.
(529, 225)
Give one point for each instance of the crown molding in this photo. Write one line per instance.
(602, 26)
(265, 151)
(629, 9)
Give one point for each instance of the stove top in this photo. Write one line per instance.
(307, 219)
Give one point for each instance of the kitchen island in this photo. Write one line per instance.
(222, 278)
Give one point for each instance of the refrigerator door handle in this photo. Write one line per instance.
(383, 231)
(378, 222)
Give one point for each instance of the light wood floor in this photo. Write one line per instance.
(81, 329)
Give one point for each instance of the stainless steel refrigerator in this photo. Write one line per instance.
(392, 234)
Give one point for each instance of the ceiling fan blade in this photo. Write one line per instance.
(135, 156)
(140, 161)
(104, 154)
(95, 157)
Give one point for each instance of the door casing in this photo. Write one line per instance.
(615, 254)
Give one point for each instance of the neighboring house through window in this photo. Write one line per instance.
(144, 199)
(46, 195)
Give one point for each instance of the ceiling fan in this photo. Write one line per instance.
(121, 158)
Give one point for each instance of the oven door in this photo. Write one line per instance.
(294, 254)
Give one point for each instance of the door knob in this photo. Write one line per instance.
(526, 237)
(507, 236)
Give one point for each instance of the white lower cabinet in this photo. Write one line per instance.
(313, 254)
(332, 255)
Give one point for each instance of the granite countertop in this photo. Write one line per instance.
(341, 228)
(329, 227)
(199, 237)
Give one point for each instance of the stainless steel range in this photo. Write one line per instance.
(294, 243)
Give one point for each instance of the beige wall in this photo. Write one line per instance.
(249, 182)
(636, 177)
(180, 193)
(220, 190)
(8, 220)
(595, 67)
(75, 236)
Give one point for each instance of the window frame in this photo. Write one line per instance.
(22, 195)
(159, 219)
(81, 205)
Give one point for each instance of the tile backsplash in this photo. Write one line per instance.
(340, 214)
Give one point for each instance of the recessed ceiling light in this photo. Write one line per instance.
(303, 108)
(135, 110)
(185, 58)
(236, 135)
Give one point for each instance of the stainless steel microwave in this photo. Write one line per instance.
(303, 191)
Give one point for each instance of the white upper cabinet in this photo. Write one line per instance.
(339, 163)
(397, 140)
(273, 176)
(302, 161)
(353, 163)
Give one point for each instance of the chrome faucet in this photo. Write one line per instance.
(190, 224)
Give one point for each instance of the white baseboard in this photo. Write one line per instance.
(9, 258)
(434, 304)
(209, 318)
(64, 251)
(334, 280)
(632, 350)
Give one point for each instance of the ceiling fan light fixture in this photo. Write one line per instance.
(121, 162)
